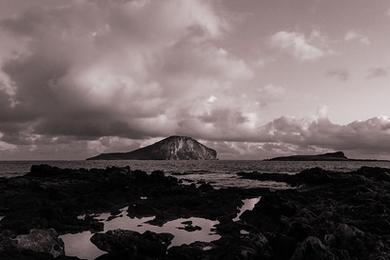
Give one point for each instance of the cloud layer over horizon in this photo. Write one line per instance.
(81, 77)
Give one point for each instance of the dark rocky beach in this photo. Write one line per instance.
(327, 215)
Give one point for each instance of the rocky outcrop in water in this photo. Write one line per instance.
(171, 148)
(336, 156)
(133, 245)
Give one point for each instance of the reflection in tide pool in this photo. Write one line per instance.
(249, 204)
(80, 245)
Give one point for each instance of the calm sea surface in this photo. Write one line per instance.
(219, 173)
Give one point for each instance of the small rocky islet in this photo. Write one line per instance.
(326, 215)
(325, 157)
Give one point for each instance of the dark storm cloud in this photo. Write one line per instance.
(96, 68)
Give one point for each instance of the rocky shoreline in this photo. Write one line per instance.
(328, 215)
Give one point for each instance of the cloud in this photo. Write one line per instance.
(322, 112)
(377, 72)
(282, 136)
(340, 74)
(300, 46)
(270, 93)
(4, 146)
(79, 77)
(355, 36)
(286, 135)
(369, 136)
(89, 69)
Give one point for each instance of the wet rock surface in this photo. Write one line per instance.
(327, 216)
(188, 226)
(38, 244)
(44, 241)
(126, 243)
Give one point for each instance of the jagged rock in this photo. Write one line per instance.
(188, 226)
(253, 246)
(349, 239)
(241, 241)
(6, 243)
(19, 182)
(38, 244)
(132, 244)
(42, 241)
(248, 246)
(171, 148)
(194, 251)
(312, 248)
(283, 246)
(347, 234)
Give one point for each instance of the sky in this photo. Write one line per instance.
(252, 79)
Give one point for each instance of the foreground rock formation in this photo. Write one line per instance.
(126, 243)
(327, 216)
(35, 245)
(171, 148)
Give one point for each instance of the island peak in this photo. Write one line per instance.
(174, 147)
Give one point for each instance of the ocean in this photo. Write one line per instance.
(219, 173)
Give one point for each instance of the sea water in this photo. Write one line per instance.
(219, 173)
